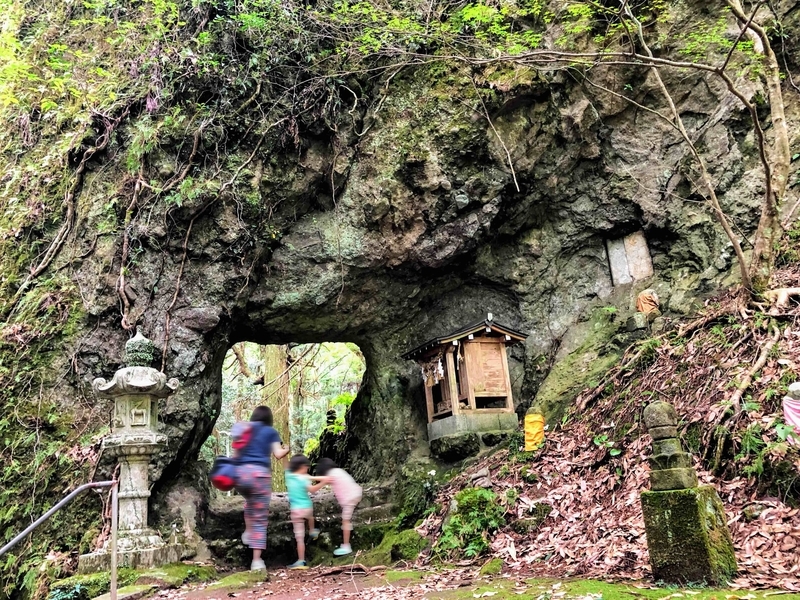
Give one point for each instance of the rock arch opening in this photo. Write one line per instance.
(308, 386)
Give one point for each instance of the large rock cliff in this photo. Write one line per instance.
(442, 193)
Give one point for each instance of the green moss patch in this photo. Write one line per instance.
(402, 576)
(130, 592)
(493, 567)
(240, 580)
(394, 546)
(175, 575)
(534, 589)
(85, 587)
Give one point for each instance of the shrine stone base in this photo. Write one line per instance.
(688, 537)
(145, 558)
(473, 422)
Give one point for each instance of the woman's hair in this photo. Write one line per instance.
(324, 465)
(263, 414)
(297, 462)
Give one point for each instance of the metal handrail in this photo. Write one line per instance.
(114, 485)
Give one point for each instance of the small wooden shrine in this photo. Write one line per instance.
(466, 372)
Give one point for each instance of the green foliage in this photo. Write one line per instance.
(784, 432)
(516, 448)
(466, 533)
(528, 475)
(602, 441)
(751, 447)
(416, 490)
(323, 381)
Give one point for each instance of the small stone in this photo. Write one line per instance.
(462, 201)
(660, 414)
(663, 433)
(483, 482)
(637, 322)
(668, 446)
(673, 479)
(751, 512)
(529, 524)
(202, 319)
(493, 567)
(658, 325)
(483, 473)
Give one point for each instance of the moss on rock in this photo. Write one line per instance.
(577, 370)
(687, 536)
(239, 580)
(175, 575)
(85, 587)
(493, 567)
(129, 592)
(527, 524)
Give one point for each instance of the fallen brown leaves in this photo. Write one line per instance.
(595, 528)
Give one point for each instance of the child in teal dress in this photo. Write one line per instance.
(298, 485)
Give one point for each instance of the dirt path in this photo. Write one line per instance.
(324, 583)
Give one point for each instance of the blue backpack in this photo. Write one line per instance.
(223, 472)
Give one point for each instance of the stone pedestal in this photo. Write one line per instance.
(687, 532)
(687, 536)
(134, 439)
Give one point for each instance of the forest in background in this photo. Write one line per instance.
(309, 388)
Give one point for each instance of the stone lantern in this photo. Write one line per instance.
(134, 439)
(687, 532)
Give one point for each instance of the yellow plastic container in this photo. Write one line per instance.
(534, 432)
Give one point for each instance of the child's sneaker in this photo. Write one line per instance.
(300, 564)
(314, 533)
(258, 565)
(342, 550)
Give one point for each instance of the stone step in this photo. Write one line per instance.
(225, 522)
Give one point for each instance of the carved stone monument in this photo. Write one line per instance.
(687, 532)
(134, 439)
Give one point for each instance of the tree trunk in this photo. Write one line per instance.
(769, 225)
(275, 394)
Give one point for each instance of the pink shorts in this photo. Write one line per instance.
(348, 508)
(299, 518)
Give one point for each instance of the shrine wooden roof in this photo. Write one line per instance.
(471, 329)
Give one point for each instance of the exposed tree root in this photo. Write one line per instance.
(744, 384)
(780, 298)
(123, 296)
(198, 213)
(69, 202)
(701, 322)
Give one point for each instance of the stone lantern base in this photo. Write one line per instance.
(144, 558)
(687, 536)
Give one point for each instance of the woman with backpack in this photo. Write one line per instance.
(254, 480)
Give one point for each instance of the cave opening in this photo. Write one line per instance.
(308, 386)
